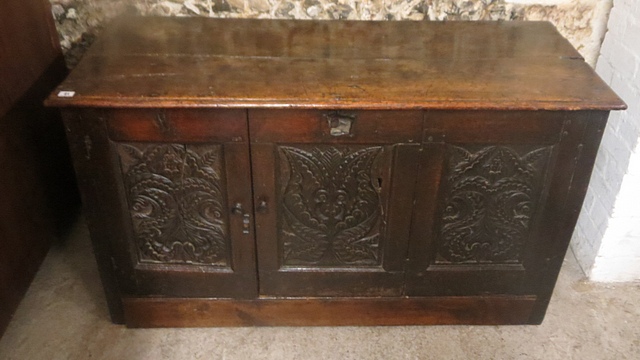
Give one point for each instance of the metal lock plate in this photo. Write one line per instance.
(340, 124)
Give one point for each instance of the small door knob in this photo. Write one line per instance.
(237, 209)
(262, 207)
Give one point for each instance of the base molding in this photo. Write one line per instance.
(450, 310)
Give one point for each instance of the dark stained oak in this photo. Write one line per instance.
(155, 62)
(166, 125)
(160, 213)
(251, 172)
(479, 197)
(337, 219)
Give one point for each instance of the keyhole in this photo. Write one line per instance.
(380, 183)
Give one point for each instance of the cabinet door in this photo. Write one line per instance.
(490, 189)
(186, 190)
(333, 195)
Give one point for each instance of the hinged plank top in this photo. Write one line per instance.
(200, 62)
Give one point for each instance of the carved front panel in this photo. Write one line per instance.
(491, 194)
(176, 202)
(330, 205)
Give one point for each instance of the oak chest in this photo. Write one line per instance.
(263, 172)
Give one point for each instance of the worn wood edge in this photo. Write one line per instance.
(197, 312)
(159, 102)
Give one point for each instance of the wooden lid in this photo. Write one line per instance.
(201, 62)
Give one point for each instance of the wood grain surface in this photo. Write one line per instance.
(172, 62)
(250, 172)
(485, 310)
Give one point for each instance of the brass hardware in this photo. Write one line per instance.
(246, 223)
(246, 218)
(340, 123)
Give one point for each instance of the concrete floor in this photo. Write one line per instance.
(64, 316)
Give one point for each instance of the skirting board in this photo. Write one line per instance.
(196, 312)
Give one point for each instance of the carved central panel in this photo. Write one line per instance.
(176, 203)
(330, 205)
(491, 194)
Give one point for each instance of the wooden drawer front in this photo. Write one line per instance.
(313, 126)
(170, 125)
(494, 127)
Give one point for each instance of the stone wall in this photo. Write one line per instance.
(606, 241)
(581, 21)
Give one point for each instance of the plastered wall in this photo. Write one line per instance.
(581, 21)
(606, 241)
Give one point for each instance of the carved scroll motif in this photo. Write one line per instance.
(176, 203)
(330, 206)
(491, 197)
